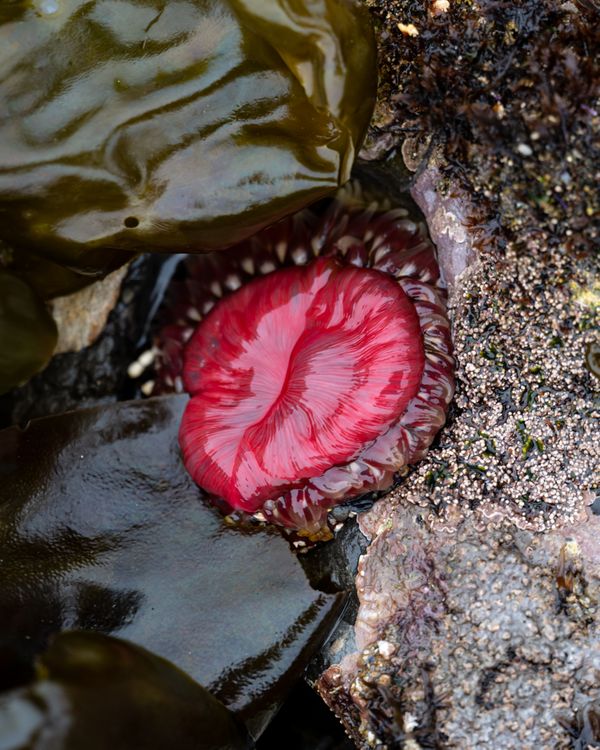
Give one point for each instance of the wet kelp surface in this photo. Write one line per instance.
(135, 127)
(102, 530)
(29, 339)
(167, 126)
(97, 691)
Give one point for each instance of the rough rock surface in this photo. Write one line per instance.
(97, 373)
(81, 316)
(478, 624)
(496, 109)
(447, 224)
(469, 639)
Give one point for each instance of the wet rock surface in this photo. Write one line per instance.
(469, 633)
(470, 638)
(97, 373)
(80, 317)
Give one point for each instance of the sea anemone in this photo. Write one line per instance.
(318, 358)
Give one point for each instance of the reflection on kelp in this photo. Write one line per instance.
(182, 126)
(190, 124)
(101, 528)
(28, 620)
(93, 691)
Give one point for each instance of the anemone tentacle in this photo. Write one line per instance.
(210, 335)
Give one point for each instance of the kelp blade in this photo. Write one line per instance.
(101, 529)
(144, 125)
(93, 692)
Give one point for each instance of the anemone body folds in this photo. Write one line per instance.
(318, 358)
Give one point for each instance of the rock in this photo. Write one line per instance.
(447, 221)
(81, 316)
(97, 373)
(478, 620)
(469, 637)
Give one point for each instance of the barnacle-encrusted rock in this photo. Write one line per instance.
(478, 638)
(473, 629)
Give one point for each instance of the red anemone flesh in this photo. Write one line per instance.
(294, 373)
(318, 359)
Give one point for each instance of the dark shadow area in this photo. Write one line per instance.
(304, 723)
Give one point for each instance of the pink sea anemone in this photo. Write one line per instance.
(318, 360)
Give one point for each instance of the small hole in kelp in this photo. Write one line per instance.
(131, 222)
(318, 358)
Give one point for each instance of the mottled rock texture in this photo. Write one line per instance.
(469, 639)
(81, 316)
(478, 622)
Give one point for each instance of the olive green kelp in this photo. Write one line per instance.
(27, 331)
(94, 692)
(130, 125)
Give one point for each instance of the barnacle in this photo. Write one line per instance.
(318, 358)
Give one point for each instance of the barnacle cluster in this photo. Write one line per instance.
(500, 102)
(495, 105)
